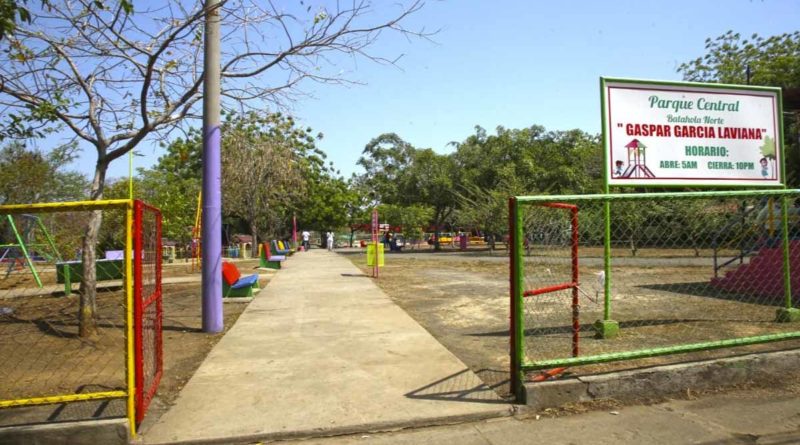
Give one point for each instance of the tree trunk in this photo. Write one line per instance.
(87, 321)
(254, 244)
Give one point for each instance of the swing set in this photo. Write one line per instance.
(26, 250)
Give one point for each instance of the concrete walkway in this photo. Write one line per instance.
(737, 418)
(322, 350)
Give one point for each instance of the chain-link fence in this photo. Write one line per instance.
(603, 278)
(147, 304)
(74, 340)
(62, 335)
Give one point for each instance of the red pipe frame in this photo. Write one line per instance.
(143, 395)
(576, 324)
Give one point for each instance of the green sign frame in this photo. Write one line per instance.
(778, 182)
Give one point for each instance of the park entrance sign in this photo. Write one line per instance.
(691, 134)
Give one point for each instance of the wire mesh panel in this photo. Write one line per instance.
(551, 298)
(669, 273)
(62, 324)
(147, 304)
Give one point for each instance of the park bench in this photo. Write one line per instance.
(110, 268)
(234, 284)
(280, 248)
(268, 260)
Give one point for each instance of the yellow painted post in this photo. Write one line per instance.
(48, 400)
(73, 206)
(129, 365)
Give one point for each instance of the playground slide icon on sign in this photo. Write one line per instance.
(682, 134)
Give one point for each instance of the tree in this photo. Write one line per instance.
(263, 161)
(430, 180)
(384, 158)
(112, 80)
(30, 176)
(412, 218)
(771, 61)
(325, 203)
(10, 9)
(357, 207)
(486, 210)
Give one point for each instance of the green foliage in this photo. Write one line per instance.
(768, 148)
(412, 218)
(383, 159)
(269, 166)
(9, 10)
(13, 11)
(772, 61)
(30, 176)
(184, 156)
(264, 158)
(325, 205)
(471, 186)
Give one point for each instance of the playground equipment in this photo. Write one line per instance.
(28, 249)
(197, 233)
(107, 269)
(760, 256)
(637, 161)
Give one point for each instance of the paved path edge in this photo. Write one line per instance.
(377, 427)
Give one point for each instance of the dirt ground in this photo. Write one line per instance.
(462, 299)
(43, 356)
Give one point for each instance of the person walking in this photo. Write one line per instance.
(306, 244)
(330, 241)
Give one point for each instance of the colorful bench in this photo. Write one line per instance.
(234, 284)
(268, 260)
(280, 248)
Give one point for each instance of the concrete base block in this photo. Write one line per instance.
(606, 328)
(107, 432)
(663, 381)
(787, 315)
(237, 300)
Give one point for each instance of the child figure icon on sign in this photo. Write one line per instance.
(618, 170)
(764, 167)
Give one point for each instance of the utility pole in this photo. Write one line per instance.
(212, 199)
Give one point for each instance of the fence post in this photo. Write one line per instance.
(786, 313)
(132, 228)
(516, 327)
(606, 328)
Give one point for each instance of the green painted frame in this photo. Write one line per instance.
(720, 86)
(519, 365)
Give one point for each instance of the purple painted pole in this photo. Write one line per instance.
(212, 199)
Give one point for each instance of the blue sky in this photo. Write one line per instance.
(511, 63)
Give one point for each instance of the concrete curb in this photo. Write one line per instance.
(90, 432)
(661, 381)
(378, 427)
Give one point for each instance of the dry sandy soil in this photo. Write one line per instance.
(462, 299)
(43, 356)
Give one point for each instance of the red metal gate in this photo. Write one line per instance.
(147, 306)
(516, 328)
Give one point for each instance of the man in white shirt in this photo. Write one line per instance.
(306, 236)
